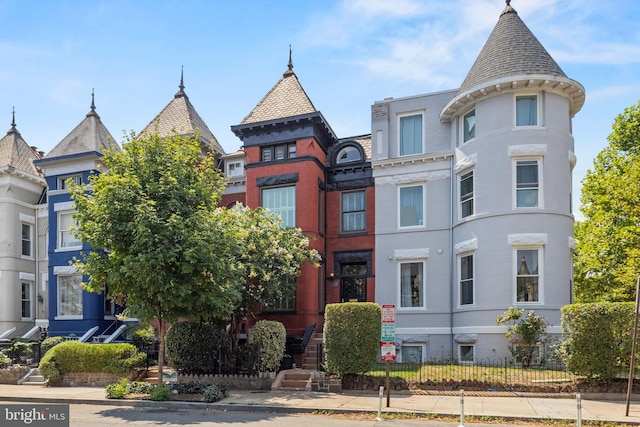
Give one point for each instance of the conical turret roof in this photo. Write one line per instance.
(180, 116)
(16, 153)
(286, 99)
(91, 135)
(513, 58)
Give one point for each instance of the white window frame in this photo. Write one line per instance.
(540, 275)
(61, 233)
(466, 362)
(538, 110)
(463, 121)
(422, 131)
(423, 285)
(423, 351)
(471, 199)
(472, 279)
(29, 284)
(59, 302)
(422, 222)
(62, 181)
(29, 241)
(235, 168)
(540, 183)
(353, 211)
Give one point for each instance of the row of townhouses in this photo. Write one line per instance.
(455, 207)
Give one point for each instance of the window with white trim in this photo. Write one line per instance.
(235, 169)
(27, 240)
(26, 309)
(467, 205)
(411, 206)
(527, 110)
(281, 201)
(469, 126)
(466, 354)
(66, 237)
(64, 181)
(528, 274)
(353, 211)
(527, 174)
(69, 291)
(466, 269)
(412, 284)
(410, 137)
(413, 352)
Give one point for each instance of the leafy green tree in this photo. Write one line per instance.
(607, 258)
(167, 246)
(523, 333)
(270, 259)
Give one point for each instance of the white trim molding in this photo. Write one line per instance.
(524, 239)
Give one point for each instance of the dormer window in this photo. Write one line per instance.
(348, 154)
(278, 152)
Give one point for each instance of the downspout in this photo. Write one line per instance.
(452, 257)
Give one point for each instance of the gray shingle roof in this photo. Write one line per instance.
(180, 116)
(90, 135)
(17, 154)
(511, 50)
(512, 59)
(286, 99)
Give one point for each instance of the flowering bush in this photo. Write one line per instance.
(271, 337)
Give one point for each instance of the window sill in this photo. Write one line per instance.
(69, 249)
(79, 317)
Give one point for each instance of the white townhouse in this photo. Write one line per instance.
(473, 200)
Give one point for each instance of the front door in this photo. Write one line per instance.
(353, 282)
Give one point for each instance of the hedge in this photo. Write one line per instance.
(73, 356)
(351, 336)
(598, 339)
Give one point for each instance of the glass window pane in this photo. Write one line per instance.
(353, 211)
(281, 201)
(410, 135)
(466, 195)
(411, 206)
(466, 280)
(348, 154)
(26, 240)
(69, 295)
(527, 110)
(527, 276)
(469, 126)
(527, 184)
(467, 353)
(411, 353)
(411, 285)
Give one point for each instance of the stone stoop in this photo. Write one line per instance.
(151, 376)
(292, 380)
(322, 382)
(310, 356)
(33, 377)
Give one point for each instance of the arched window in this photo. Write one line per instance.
(348, 154)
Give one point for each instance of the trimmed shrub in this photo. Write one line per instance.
(160, 393)
(195, 348)
(50, 342)
(598, 339)
(73, 356)
(270, 336)
(352, 333)
(214, 393)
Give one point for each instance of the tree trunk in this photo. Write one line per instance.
(160, 350)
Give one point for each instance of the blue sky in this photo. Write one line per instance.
(346, 53)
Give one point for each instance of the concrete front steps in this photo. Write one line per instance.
(310, 357)
(292, 380)
(33, 377)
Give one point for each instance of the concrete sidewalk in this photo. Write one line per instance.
(501, 405)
